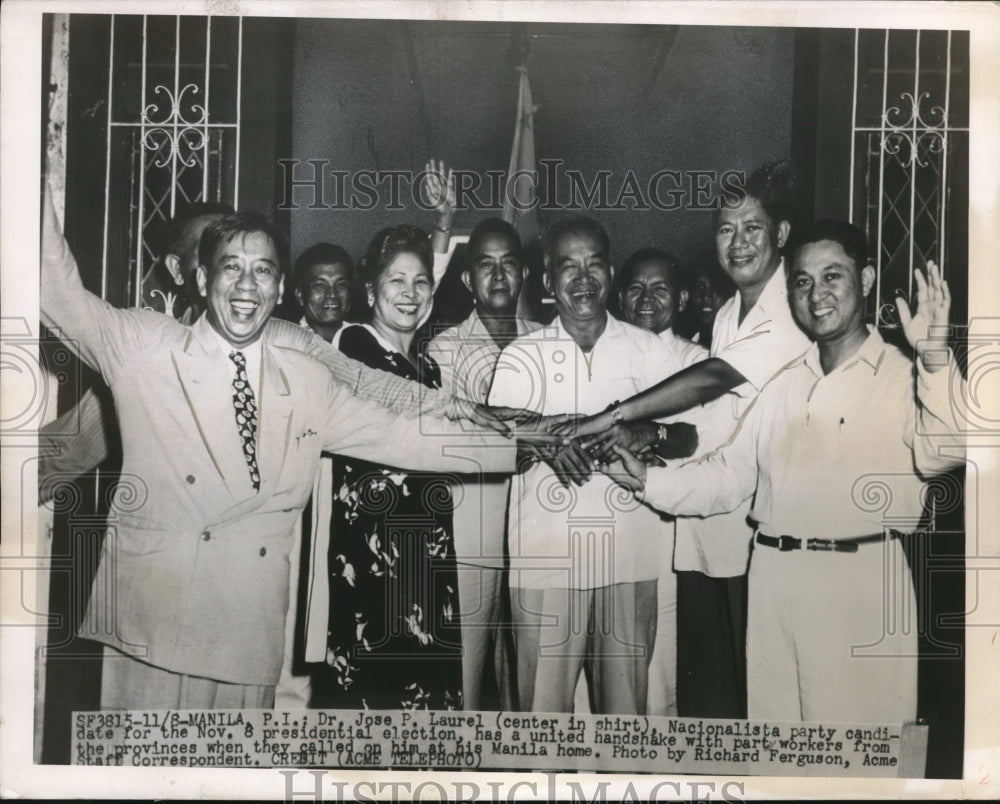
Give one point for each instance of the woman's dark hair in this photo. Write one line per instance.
(391, 242)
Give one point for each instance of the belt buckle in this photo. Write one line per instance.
(788, 543)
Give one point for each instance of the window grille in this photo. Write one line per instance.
(173, 139)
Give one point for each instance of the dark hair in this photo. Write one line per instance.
(321, 254)
(179, 223)
(849, 236)
(707, 262)
(244, 222)
(773, 185)
(391, 242)
(575, 224)
(650, 255)
(494, 226)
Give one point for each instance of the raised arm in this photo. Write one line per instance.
(439, 186)
(101, 334)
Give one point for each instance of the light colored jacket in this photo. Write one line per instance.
(194, 572)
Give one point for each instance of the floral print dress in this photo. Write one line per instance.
(394, 640)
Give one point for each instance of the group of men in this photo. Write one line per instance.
(781, 406)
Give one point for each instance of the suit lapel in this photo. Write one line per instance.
(275, 417)
(206, 382)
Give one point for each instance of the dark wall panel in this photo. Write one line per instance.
(383, 95)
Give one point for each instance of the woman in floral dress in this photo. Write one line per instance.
(394, 640)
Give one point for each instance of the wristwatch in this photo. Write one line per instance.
(661, 433)
(615, 409)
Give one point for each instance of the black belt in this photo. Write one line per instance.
(787, 543)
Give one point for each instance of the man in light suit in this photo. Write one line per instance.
(222, 428)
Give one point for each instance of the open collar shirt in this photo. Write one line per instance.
(759, 347)
(589, 536)
(467, 356)
(829, 456)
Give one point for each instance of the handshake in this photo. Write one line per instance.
(577, 446)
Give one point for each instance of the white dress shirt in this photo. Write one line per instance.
(252, 353)
(766, 340)
(581, 537)
(467, 356)
(830, 456)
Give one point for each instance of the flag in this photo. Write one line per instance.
(521, 196)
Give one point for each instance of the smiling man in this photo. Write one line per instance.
(831, 635)
(324, 281)
(222, 430)
(583, 562)
(753, 337)
(467, 355)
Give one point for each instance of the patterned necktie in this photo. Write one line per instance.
(246, 415)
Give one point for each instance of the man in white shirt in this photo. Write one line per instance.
(652, 296)
(834, 452)
(583, 587)
(467, 354)
(754, 336)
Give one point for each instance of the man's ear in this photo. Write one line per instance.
(867, 279)
(784, 229)
(547, 280)
(201, 276)
(173, 263)
(682, 301)
(298, 297)
(467, 280)
(281, 289)
(370, 293)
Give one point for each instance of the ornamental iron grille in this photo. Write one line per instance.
(173, 140)
(909, 156)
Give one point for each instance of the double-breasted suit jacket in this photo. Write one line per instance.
(194, 572)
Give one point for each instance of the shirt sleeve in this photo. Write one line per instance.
(396, 393)
(104, 337)
(765, 349)
(441, 261)
(936, 435)
(74, 443)
(714, 484)
(382, 436)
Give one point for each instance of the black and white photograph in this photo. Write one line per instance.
(593, 401)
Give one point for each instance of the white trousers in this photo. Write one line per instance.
(832, 636)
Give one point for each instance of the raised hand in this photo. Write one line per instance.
(926, 329)
(439, 188)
